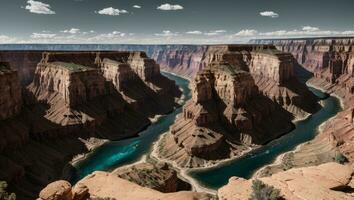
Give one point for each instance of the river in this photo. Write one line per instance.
(115, 154)
(118, 153)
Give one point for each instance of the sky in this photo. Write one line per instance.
(171, 21)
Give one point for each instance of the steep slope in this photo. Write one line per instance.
(69, 101)
(332, 62)
(226, 117)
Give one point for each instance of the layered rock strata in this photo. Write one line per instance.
(330, 59)
(73, 97)
(159, 177)
(226, 116)
(273, 73)
(331, 62)
(273, 70)
(327, 181)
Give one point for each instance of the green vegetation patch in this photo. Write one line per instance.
(262, 191)
(73, 67)
(4, 195)
(4, 67)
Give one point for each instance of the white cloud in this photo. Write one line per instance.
(348, 33)
(194, 32)
(111, 11)
(246, 33)
(136, 6)
(269, 14)
(42, 35)
(216, 32)
(4, 39)
(39, 7)
(310, 28)
(166, 33)
(306, 31)
(168, 6)
(72, 31)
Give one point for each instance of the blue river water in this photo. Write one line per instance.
(119, 153)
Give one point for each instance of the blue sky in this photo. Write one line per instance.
(174, 21)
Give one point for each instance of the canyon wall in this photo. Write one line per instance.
(226, 117)
(330, 59)
(331, 62)
(72, 98)
(10, 90)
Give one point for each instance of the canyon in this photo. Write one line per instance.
(243, 96)
(74, 97)
(331, 62)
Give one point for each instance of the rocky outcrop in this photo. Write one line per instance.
(327, 181)
(72, 98)
(10, 92)
(226, 117)
(62, 190)
(109, 185)
(159, 177)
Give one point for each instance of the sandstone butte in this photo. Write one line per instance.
(72, 95)
(245, 96)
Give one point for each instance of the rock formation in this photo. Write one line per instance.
(225, 117)
(10, 92)
(327, 181)
(109, 185)
(159, 177)
(273, 73)
(71, 97)
(330, 59)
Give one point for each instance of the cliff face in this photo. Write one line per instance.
(330, 59)
(25, 62)
(10, 92)
(185, 60)
(272, 70)
(73, 95)
(226, 117)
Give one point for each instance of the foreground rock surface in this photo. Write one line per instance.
(328, 181)
(109, 185)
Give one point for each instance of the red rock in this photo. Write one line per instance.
(10, 92)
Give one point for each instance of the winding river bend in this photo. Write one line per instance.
(119, 153)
